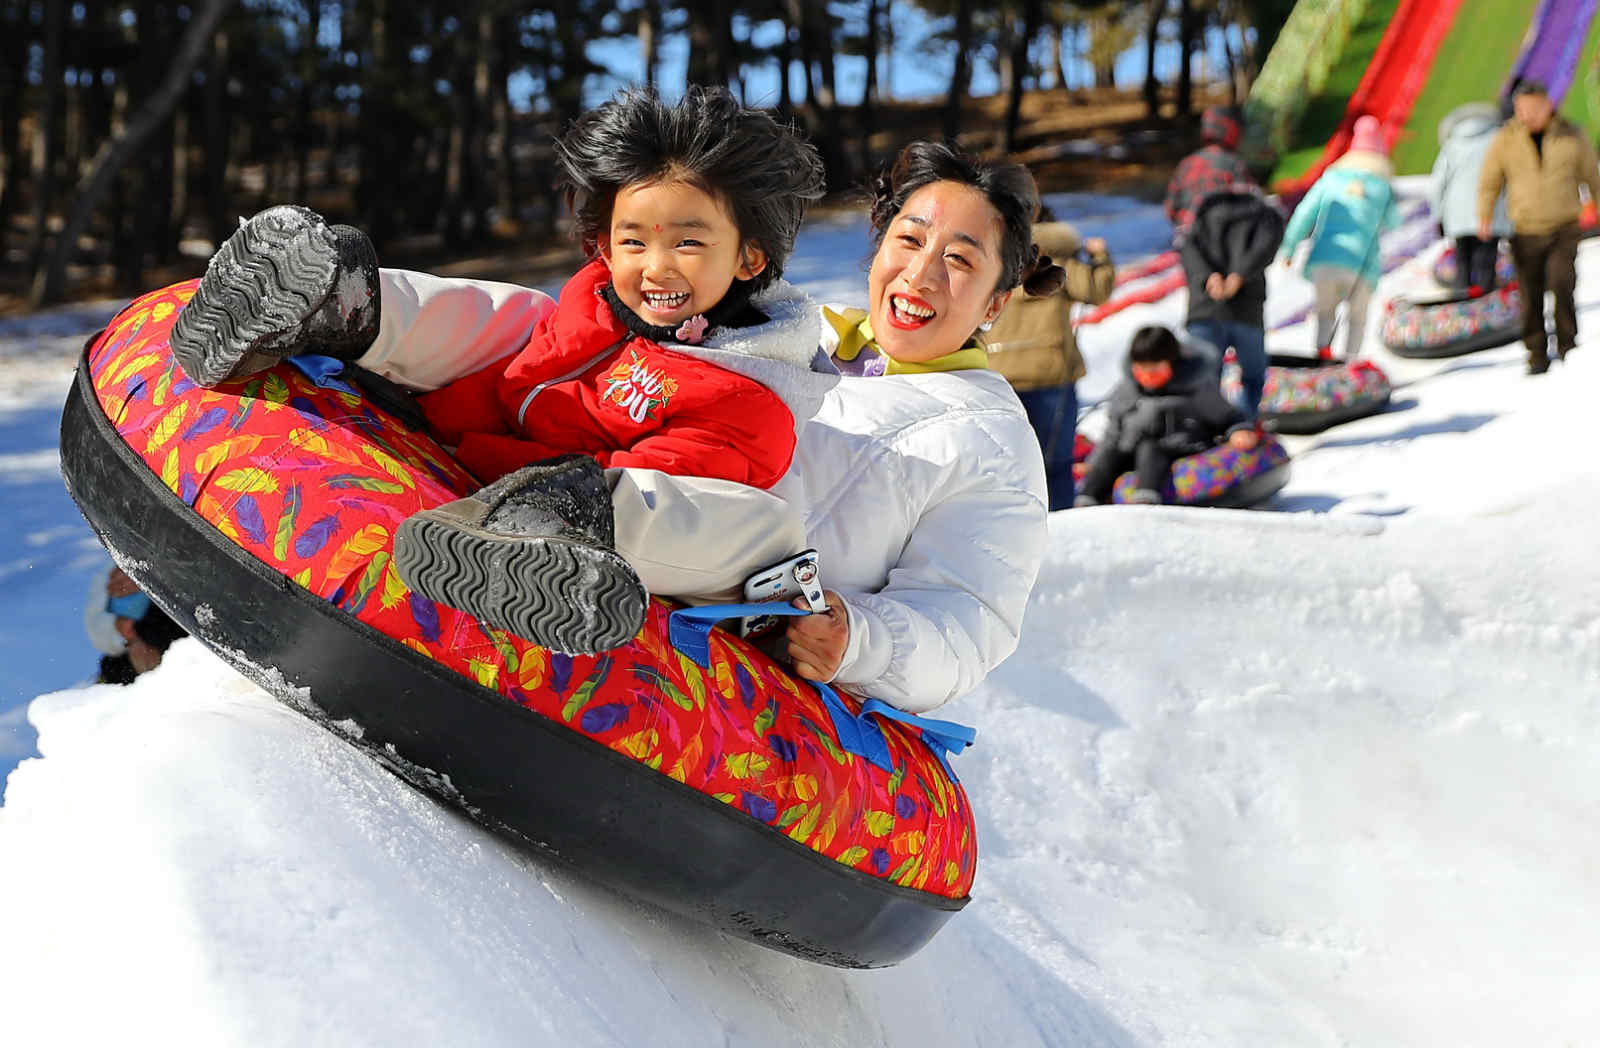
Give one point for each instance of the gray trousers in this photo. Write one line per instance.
(1336, 285)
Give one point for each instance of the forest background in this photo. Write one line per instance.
(133, 135)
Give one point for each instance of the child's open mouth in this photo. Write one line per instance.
(908, 311)
(665, 302)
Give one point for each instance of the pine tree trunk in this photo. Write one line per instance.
(887, 91)
(1032, 15)
(13, 62)
(702, 46)
(180, 168)
(116, 151)
(835, 159)
(1152, 36)
(456, 155)
(303, 134)
(649, 31)
(960, 79)
(869, 95)
(506, 170)
(1188, 30)
(47, 135)
(376, 187)
(785, 63)
(217, 135)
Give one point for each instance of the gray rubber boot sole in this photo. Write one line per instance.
(561, 594)
(284, 282)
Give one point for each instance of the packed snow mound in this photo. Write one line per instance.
(223, 871)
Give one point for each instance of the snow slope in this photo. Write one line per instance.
(1310, 778)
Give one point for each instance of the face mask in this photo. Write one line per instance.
(133, 606)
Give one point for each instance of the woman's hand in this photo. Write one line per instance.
(1243, 439)
(1096, 246)
(817, 642)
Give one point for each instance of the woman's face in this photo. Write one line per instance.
(932, 281)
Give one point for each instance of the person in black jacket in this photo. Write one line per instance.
(1216, 165)
(1234, 238)
(1168, 406)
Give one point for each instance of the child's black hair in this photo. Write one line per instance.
(764, 172)
(1154, 344)
(1009, 188)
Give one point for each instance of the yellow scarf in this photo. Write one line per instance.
(855, 334)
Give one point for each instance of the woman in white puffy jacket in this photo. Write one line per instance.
(919, 480)
(922, 483)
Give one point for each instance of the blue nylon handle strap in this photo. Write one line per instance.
(944, 738)
(689, 630)
(322, 370)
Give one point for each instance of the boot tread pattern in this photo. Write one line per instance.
(261, 287)
(565, 596)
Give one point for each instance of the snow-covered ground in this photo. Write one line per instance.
(1315, 777)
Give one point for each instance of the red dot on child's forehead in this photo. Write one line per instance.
(658, 228)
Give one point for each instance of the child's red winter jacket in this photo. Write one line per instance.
(587, 384)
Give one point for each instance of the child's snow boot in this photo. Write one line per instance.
(1144, 497)
(531, 554)
(286, 282)
(1085, 502)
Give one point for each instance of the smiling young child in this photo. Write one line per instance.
(675, 349)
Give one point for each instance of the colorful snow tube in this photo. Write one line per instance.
(1224, 477)
(1445, 270)
(261, 516)
(1448, 327)
(1306, 395)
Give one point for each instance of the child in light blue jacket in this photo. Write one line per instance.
(1343, 215)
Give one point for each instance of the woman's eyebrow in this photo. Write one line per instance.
(966, 237)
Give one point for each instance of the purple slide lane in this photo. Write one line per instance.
(1551, 53)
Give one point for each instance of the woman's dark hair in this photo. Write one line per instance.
(1154, 344)
(1009, 188)
(764, 172)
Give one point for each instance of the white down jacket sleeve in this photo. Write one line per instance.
(952, 609)
(951, 605)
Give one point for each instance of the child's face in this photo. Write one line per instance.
(1152, 376)
(932, 280)
(674, 251)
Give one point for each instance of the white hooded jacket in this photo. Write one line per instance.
(925, 497)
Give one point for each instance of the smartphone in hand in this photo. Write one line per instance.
(799, 576)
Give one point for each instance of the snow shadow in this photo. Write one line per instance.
(1323, 502)
(1465, 423)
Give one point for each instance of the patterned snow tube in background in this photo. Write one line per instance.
(1451, 326)
(309, 481)
(1304, 395)
(1223, 476)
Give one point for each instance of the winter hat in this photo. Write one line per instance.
(1367, 137)
(1221, 125)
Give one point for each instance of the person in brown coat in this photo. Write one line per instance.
(1031, 343)
(1540, 159)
